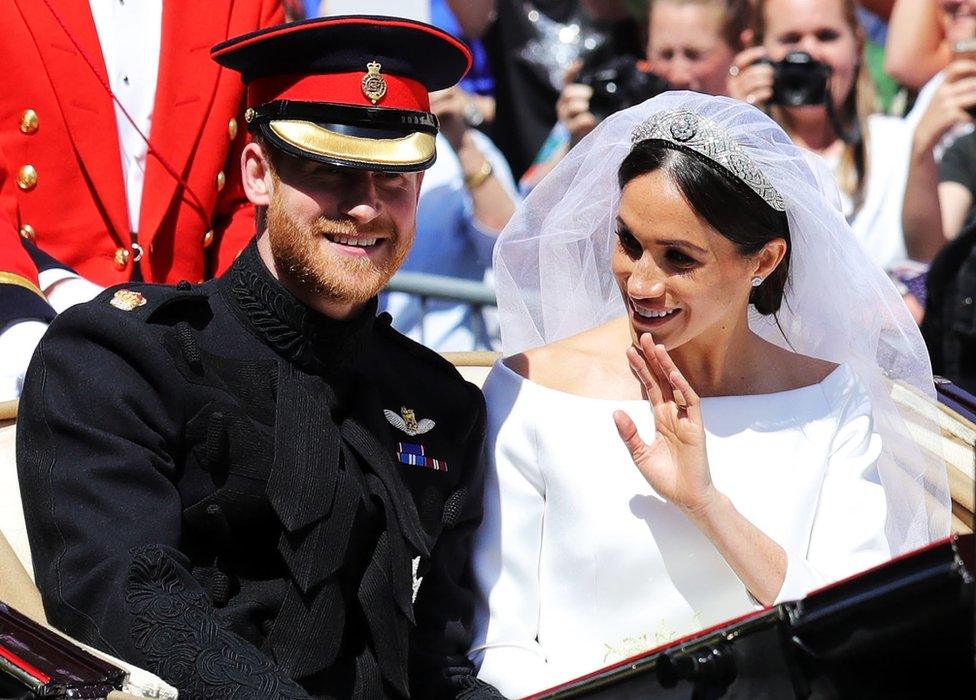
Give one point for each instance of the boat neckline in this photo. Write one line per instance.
(834, 375)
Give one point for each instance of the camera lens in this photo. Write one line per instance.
(618, 84)
(799, 80)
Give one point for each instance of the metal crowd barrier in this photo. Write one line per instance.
(426, 286)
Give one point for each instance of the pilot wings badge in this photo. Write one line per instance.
(407, 421)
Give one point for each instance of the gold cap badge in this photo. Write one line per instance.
(127, 300)
(374, 85)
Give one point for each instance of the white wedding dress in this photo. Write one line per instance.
(579, 563)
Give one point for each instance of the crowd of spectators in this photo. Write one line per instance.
(882, 92)
(890, 121)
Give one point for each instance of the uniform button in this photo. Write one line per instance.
(27, 232)
(121, 258)
(208, 239)
(232, 129)
(27, 178)
(249, 114)
(28, 122)
(213, 509)
(221, 180)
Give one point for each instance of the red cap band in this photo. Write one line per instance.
(338, 88)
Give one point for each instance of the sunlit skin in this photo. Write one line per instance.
(960, 19)
(669, 259)
(312, 208)
(686, 47)
(819, 28)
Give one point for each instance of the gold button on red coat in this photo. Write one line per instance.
(27, 232)
(121, 258)
(29, 122)
(27, 178)
(232, 129)
(208, 238)
(221, 180)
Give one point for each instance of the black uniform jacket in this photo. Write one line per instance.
(237, 493)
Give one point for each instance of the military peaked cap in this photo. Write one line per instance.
(351, 91)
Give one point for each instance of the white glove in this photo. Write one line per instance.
(17, 343)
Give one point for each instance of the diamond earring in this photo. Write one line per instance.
(756, 281)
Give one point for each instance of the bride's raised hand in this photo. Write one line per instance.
(675, 463)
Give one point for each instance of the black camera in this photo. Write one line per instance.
(799, 79)
(619, 83)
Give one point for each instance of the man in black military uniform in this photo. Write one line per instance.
(240, 485)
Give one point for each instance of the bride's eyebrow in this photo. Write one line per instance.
(683, 244)
(621, 228)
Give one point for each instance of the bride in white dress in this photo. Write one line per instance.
(695, 422)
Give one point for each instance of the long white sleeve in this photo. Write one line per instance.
(506, 551)
(580, 563)
(17, 343)
(848, 533)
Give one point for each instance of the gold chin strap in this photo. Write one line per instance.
(415, 149)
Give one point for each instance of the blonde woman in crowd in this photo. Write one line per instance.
(868, 153)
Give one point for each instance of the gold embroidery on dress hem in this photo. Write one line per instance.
(632, 646)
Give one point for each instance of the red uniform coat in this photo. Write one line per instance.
(63, 187)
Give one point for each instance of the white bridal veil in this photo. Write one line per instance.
(553, 280)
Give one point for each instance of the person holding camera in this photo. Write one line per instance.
(530, 46)
(804, 67)
(690, 46)
(936, 207)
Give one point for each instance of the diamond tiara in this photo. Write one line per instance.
(692, 131)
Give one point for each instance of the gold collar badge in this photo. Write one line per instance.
(374, 85)
(127, 300)
(407, 421)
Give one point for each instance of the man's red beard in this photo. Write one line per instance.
(301, 253)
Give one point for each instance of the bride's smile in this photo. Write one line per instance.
(680, 278)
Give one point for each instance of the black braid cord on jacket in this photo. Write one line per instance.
(252, 500)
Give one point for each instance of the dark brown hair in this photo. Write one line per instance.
(724, 202)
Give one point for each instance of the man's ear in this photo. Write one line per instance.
(257, 175)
